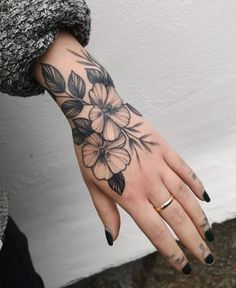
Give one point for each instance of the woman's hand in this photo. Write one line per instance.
(151, 175)
(123, 160)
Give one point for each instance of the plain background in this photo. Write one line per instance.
(173, 60)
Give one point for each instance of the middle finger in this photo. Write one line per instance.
(182, 225)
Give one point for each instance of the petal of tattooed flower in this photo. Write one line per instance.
(121, 117)
(111, 131)
(95, 140)
(102, 171)
(113, 98)
(98, 95)
(97, 118)
(119, 143)
(90, 155)
(118, 160)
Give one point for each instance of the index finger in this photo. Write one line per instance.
(185, 172)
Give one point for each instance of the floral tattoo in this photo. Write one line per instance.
(106, 137)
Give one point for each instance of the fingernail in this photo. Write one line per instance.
(206, 197)
(187, 269)
(109, 237)
(209, 235)
(209, 259)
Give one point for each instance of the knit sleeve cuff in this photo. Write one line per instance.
(27, 29)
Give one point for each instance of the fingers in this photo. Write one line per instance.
(181, 168)
(182, 225)
(186, 231)
(150, 222)
(188, 201)
(108, 213)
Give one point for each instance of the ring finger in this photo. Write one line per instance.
(179, 221)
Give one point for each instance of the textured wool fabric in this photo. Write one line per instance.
(27, 28)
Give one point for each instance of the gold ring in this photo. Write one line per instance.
(164, 205)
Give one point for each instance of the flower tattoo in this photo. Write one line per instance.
(109, 115)
(106, 137)
(105, 157)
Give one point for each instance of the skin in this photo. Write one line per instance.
(149, 172)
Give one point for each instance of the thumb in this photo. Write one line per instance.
(108, 213)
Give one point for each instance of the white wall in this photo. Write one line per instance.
(176, 62)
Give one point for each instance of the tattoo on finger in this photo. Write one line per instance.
(177, 260)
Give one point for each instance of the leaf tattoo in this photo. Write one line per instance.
(53, 78)
(106, 137)
(95, 76)
(76, 85)
(117, 182)
(72, 108)
(134, 110)
(77, 137)
(82, 130)
(83, 125)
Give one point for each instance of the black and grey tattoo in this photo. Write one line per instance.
(194, 176)
(204, 250)
(177, 260)
(107, 138)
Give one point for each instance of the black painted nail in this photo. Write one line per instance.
(209, 259)
(209, 235)
(187, 269)
(206, 197)
(109, 237)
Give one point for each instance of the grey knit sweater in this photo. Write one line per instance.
(27, 28)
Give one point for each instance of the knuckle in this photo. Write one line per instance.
(168, 152)
(182, 190)
(163, 148)
(159, 232)
(133, 204)
(180, 160)
(129, 196)
(177, 214)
